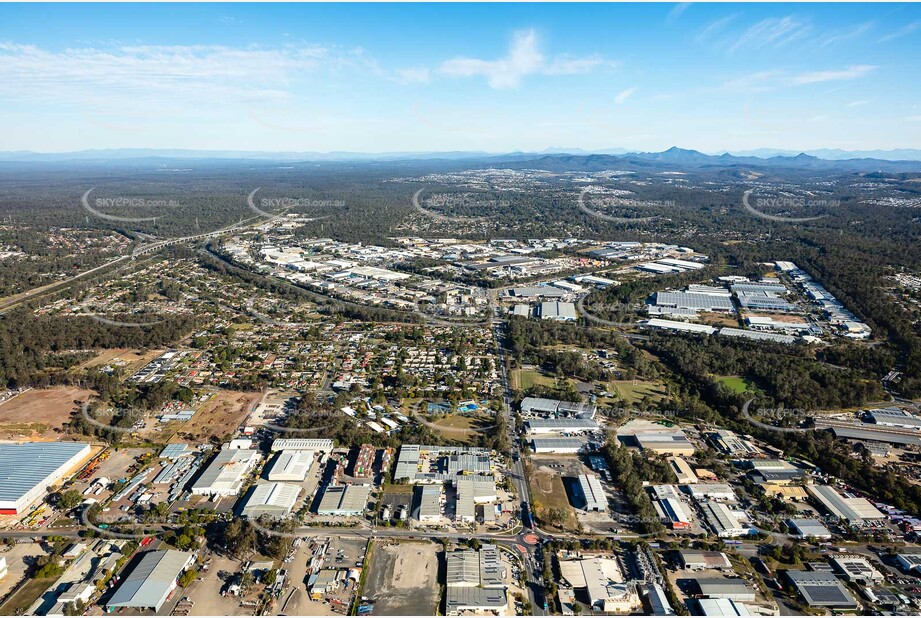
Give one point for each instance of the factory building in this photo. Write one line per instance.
(291, 466)
(852, 509)
(699, 560)
(471, 491)
(724, 522)
(427, 501)
(718, 607)
(821, 589)
(344, 500)
(28, 469)
(225, 474)
(302, 444)
(542, 426)
(559, 311)
(272, 499)
(475, 582)
(673, 512)
(734, 589)
(604, 583)
(808, 528)
(593, 497)
(539, 406)
(151, 581)
(665, 442)
(682, 471)
(557, 445)
(894, 417)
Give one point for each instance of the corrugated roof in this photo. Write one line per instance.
(151, 581)
(23, 466)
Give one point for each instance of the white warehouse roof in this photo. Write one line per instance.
(275, 499)
(151, 581)
(28, 469)
(302, 444)
(291, 466)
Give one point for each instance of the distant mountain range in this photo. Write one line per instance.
(572, 159)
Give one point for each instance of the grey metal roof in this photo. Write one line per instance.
(878, 436)
(690, 300)
(566, 443)
(151, 581)
(561, 424)
(23, 466)
(727, 331)
(821, 589)
(276, 499)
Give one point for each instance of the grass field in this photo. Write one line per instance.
(461, 427)
(633, 393)
(38, 412)
(27, 594)
(526, 378)
(737, 384)
(548, 492)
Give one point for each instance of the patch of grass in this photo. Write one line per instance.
(633, 393)
(523, 379)
(548, 492)
(25, 596)
(737, 384)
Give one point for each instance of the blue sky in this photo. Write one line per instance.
(420, 77)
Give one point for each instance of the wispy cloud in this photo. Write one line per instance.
(903, 31)
(714, 28)
(524, 58)
(623, 95)
(771, 32)
(412, 76)
(851, 72)
(677, 10)
(856, 103)
(763, 81)
(848, 35)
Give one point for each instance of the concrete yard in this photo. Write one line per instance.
(403, 579)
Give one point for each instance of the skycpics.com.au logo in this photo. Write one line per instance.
(122, 202)
(785, 204)
(274, 207)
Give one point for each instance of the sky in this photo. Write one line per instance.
(472, 77)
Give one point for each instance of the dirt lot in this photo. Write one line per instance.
(18, 559)
(403, 579)
(207, 593)
(37, 414)
(547, 488)
(131, 360)
(220, 416)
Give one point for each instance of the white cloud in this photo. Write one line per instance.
(412, 76)
(814, 77)
(763, 81)
(623, 95)
(847, 35)
(771, 32)
(705, 35)
(157, 73)
(904, 30)
(524, 58)
(677, 10)
(856, 103)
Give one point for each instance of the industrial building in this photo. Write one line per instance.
(225, 474)
(344, 500)
(910, 563)
(151, 581)
(728, 331)
(604, 583)
(272, 499)
(593, 497)
(894, 417)
(718, 607)
(28, 469)
(427, 501)
(471, 491)
(699, 560)
(666, 442)
(821, 589)
(539, 406)
(559, 425)
(291, 466)
(682, 471)
(559, 311)
(876, 435)
(302, 444)
(679, 326)
(475, 581)
(734, 589)
(723, 520)
(695, 301)
(852, 509)
(808, 528)
(439, 464)
(672, 511)
(712, 491)
(856, 569)
(557, 445)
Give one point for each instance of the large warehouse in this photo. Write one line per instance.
(152, 580)
(27, 470)
(593, 496)
(344, 500)
(291, 466)
(273, 499)
(559, 425)
(225, 474)
(853, 509)
(302, 444)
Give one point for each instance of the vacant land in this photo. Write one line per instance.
(403, 579)
(40, 413)
(462, 427)
(550, 500)
(522, 379)
(25, 596)
(634, 390)
(131, 360)
(220, 416)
